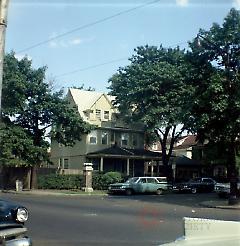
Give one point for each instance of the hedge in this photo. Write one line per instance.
(58, 181)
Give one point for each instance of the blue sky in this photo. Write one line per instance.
(76, 58)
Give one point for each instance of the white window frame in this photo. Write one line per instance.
(92, 134)
(124, 137)
(106, 114)
(98, 114)
(104, 134)
(66, 163)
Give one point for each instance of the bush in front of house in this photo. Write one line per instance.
(102, 181)
(61, 182)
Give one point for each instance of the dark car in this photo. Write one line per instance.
(12, 229)
(195, 185)
(223, 189)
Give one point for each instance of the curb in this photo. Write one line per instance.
(220, 206)
(46, 193)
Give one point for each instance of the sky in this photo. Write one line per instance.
(86, 41)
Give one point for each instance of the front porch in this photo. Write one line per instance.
(129, 162)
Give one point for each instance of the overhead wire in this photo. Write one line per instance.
(102, 64)
(87, 25)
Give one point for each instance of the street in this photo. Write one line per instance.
(113, 220)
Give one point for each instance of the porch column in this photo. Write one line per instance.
(101, 164)
(152, 166)
(127, 167)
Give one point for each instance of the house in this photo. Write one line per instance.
(193, 159)
(112, 146)
(184, 165)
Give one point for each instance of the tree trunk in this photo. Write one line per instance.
(34, 183)
(233, 175)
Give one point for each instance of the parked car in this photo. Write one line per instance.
(12, 229)
(223, 189)
(155, 185)
(195, 185)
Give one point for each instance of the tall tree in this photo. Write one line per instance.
(216, 112)
(29, 104)
(154, 89)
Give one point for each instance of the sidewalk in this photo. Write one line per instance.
(223, 204)
(55, 192)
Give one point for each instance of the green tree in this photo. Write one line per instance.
(216, 111)
(31, 109)
(154, 89)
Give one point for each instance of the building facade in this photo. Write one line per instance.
(112, 146)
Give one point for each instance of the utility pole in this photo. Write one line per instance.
(3, 25)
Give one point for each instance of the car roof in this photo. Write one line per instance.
(150, 177)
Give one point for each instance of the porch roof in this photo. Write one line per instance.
(119, 152)
(185, 161)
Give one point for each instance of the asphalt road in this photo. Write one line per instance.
(113, 220)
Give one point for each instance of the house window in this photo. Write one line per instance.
(60, 163)
(93, 137)
(104, 138)
(124, 139)
(66, 164)
(112, 137)
(106, 115)
(98, 114)
(134, 140)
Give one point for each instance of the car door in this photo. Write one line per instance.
(151, 185)
(142, 185)
(208, 184)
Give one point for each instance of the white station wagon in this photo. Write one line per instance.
(141, 185)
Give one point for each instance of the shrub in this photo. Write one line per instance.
(102, 181)
(57, 181)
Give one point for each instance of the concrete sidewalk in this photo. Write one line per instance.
(221, 203)
(54, 192)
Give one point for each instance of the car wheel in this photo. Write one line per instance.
(159, 192)
(129, 192)
(194, 190)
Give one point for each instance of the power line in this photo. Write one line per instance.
(90, 67)
(88, 25)
(102, 64)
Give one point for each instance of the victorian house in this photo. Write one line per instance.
(111, 146)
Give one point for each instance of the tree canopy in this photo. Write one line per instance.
(215, 54)
(154, 89)
(30, 109)
(216, 57)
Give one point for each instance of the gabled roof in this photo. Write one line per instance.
(186, 142)
(84, 99)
